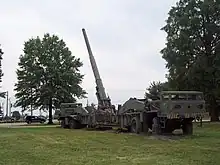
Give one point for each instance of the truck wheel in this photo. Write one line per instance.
(62, 124)
(145, 127)
(72, 124)
(168, 130)
(135, 126)
(156, 126)
(188, 128)
(144, 124)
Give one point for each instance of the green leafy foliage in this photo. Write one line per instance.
(155, 88)
(48, 74)
(3, 94)
(192, 50)
(1, 72)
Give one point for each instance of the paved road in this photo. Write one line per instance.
(13, 125)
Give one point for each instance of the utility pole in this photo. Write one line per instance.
(87, 104)
(1, 112)
(10, 105)
(7, 103)
(3, 109)
(31, 102)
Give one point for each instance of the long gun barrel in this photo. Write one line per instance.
(100, 90)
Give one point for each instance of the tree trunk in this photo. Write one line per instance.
(214, 110)
(50, 112)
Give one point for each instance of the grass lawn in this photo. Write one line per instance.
(45, 146)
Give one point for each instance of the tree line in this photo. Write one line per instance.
(48, 72)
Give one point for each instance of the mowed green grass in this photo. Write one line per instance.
(47, 146)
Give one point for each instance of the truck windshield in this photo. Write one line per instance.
(182, 97)
(195, 97)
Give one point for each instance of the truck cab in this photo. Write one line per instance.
(177, 111)
(182, 104)
(73, 115)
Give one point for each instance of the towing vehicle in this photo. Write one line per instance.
(172, 110)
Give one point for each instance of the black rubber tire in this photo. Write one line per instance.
(145, 127)
(188, 128)
(72, 124)
(62, 123)
(168, 131)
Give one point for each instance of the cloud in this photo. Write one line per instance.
(125, 37)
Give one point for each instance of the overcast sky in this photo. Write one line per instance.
(125, 37)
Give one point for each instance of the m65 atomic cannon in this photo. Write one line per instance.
(173, 110)
(103, 116)
(105, 113)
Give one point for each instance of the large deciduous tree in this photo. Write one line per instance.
(48, 74)
(1, 72)
(2, 94)
(192, 50)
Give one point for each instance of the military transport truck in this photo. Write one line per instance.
(73, 115)
(174, 110)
